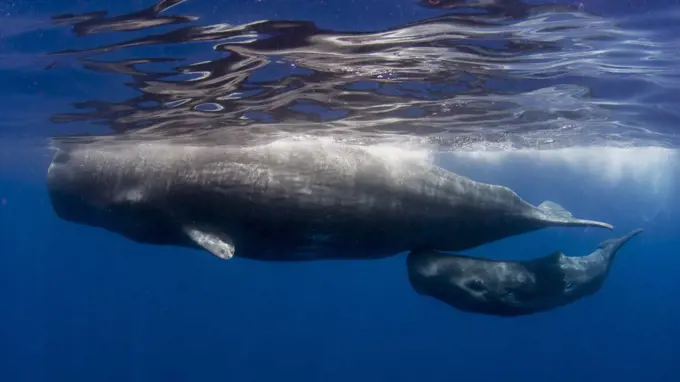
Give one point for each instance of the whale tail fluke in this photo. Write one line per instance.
(554, 214)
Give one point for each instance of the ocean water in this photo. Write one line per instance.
(575, 102)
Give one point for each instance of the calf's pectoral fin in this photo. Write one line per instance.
(219, 245)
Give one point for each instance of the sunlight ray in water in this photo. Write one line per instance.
(651, 166)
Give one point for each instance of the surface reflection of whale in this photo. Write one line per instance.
(511, 288)
(286, 200)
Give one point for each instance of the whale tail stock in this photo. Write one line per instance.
(610, 248)
(556, 215)
(616, 244)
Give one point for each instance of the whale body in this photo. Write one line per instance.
(285, 200)
(512, 288)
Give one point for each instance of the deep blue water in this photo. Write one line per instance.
(83, 304)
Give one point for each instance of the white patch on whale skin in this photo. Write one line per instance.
(465, 282)
(218, 245)
(429, 269)
(134, 195)
(396, 155)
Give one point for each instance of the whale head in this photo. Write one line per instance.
(84, 189)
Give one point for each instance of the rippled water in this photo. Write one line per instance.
(478, 73)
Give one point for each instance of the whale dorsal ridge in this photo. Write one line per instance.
(554, 209)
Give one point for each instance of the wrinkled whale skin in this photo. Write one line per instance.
(285, 200)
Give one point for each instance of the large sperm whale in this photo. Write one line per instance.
(512, 288)
(291, 199)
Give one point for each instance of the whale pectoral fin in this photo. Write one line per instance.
(554, 209)
(219, 245)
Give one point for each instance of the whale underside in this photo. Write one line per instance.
(286, 200)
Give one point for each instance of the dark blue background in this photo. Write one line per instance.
(81, 304)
